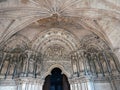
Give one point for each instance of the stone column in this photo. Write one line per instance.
(90, 85)
(40, 84)
(81, 83)
(8, 84)
(116, 51)
(29, 84)
(2, 61)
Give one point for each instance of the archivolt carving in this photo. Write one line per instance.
(64, 71)
(17, 43)
(94, 58)
(46, 8)
(17, 58)
(94, 41)
(57, 41)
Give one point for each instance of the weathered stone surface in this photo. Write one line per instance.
(81, 37)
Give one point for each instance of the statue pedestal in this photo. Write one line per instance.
(29, 84)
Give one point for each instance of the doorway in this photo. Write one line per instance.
(56, 81)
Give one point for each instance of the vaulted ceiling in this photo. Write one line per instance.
(80, 17)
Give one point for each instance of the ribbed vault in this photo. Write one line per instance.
(89, 17)
(81, 37)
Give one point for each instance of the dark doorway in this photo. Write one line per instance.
(56, 81)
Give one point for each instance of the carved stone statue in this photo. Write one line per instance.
(22, 63)
(74, 63)
(31, 63)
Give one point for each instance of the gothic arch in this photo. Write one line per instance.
(55, 43)
(57, 66)
(17, 41)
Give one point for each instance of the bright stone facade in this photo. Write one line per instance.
(81, 37)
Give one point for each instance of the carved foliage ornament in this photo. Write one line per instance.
(94, 41)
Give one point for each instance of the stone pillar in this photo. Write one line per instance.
(8, 84)
(71, 86)
(40, 85)
(116, 51)
(27, 83)
(81, 83)
(90, 85)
